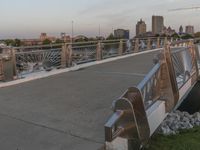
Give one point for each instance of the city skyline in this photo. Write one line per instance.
(28, 18)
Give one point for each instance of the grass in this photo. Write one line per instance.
(186, 140)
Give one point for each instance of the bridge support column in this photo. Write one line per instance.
(136, 45)
(120, 51)
(99, 51)
(149, 43)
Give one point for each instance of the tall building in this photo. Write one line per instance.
(141, 28)
(189, 29)
(181, 30)
(121, 34)
(157, 24)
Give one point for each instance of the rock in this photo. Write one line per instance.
(166, 130)
(177, 121)
(197, 116)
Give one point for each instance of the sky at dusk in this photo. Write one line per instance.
(28, 18)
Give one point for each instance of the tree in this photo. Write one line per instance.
(111, 37)
(17, 43)
(46, 42)
(175, 36)
(187, 36)
(58, 41)
(9, 42)
(197, 35)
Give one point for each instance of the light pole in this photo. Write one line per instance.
(99, 31)
(72, 31)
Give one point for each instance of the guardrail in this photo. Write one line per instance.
(27, 60)
(140, 111)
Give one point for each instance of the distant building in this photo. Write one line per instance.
(121, 34)
(157, 24)
(141, 28)
(43, 36)
(98, 38)
(168, 31)
(31, 42)
(189, 30)
(64, 37)
(181, 30)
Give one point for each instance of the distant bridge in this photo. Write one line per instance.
(68, 110)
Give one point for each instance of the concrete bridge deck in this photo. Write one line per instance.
(67, 111)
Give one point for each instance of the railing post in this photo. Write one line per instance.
(169, 71)
(1, 69)
(165, 42)
(158, 42)
(69, 55)
(136, 45)
(64, 56)
(172, 39)
(13, 58)
(99, 51)
(120, 51)
(149, 43)
(194, 61)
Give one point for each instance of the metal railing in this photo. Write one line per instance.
(34, 59)
(150, 86)
(163, 87)
(83, 54)
(38, 60)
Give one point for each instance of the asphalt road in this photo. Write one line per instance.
(67, 111)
